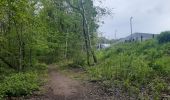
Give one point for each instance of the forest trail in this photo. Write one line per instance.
(63, 87)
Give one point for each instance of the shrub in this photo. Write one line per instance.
(140, 69)
(162, 66)
(157, 86)
(164, 37)
(41, 66)
(166, 48)
(19, 84)
(5, 71)
(78, 61)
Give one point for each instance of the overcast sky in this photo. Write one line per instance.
(149, 16)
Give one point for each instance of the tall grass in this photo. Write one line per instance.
(142, 69)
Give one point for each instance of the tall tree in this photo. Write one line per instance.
(85, 25)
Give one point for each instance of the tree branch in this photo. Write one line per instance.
(76, 8)
(7, 63)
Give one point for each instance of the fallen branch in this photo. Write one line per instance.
(6, 62)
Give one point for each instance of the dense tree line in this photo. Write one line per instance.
(47, 30)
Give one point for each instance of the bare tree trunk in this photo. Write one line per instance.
(90, 45)
(89, 49)
(66, 43)
(86, 27)
(20, 43)
(30, 57)
(20, 57)
(86, 43)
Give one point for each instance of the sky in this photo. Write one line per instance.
(149, 16)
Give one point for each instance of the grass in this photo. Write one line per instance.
(140, 68)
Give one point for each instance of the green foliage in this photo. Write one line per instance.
(19, 84)
(157, 86)
(164, 37)
(40, 66)
(140, 69)
(43, 31)
(162, 67)
(33, 32)
(5, 71)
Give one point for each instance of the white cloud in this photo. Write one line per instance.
(151, 16)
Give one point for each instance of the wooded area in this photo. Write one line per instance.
(37, 33)
(34, 33)
(47, 30)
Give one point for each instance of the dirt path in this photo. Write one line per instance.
(62, 87)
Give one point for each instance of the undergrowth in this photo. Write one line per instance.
(16, 84)
(141, 69)
(19, 84)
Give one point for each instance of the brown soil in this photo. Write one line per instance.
(62, 87)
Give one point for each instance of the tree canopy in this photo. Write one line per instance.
(47, 30)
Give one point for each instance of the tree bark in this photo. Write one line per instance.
(86, 27)
(86, 43)
(89, 49)
(30, 57)
(20, 43)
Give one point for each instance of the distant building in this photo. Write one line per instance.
(138, 37)
(103, 46)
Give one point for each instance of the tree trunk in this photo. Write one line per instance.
(20, 57)
(89, 49)
(86, 27)
(30, 57)
(20, 43)
(66, 43)
(86, 43)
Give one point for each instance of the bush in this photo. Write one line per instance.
(162, 66)
(157, 86)
(78, 61)
(140, 69)
(164, 37)
(41, 66)
(19, 84)
(5, 71)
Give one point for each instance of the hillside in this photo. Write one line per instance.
(137, 70)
